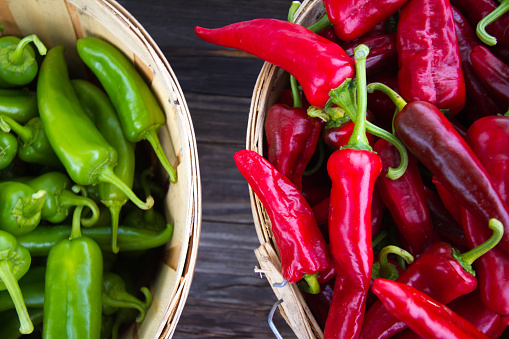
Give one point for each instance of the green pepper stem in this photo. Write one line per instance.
(488, 19)
(381, 235)
(17, 56)
(385, 266)
(68, 199)
(125, 300)
(321, 24)
(319, 162)
(152, 137)
(7, 277)
(313, 286)
(107, 175)
(297, 100)
(25, 133)
(359, 140)
(76, 223)
(469, 257)
(115, 207)
(149, 215)
(27, 210)
(393, 95)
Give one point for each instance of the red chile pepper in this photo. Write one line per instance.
(425, 316)
(353, 18)
(492, 72)
(301, 245)
(292, 137)
(476, 93)
(443, 222)
(353, 170)
(441, 272)
(432, 139)
(488, 138)
(318, 64)
(405, 199)
(428, 55)
(450, 203)
(382, 51)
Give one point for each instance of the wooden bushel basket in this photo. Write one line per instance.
(271, 82)
(62, 22)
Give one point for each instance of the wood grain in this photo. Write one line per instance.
(227, 299)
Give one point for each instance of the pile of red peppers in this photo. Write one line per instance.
(385, 171)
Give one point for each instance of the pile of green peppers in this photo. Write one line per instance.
(77, 243)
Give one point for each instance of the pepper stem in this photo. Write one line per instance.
(358, 140)
(27, 210)
(26, 134)
(321, 24)
(386, 268)
(152, 137)
(469, 257)
(297, 100)
(7, 277)
(17, 56)
(488, 19)
(393, 95)
(312, 285)
(107, 175)
(68, 199)
(115, 206)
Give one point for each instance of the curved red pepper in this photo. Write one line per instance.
(319, 65)
(476, 93)
(353, 170)
(405, 199)
(492, 72)
(427, 317)
(353, 18)
(432, 139)
(439, 273)
(488, 138)
(292, 136)
(301, 245)
(428, 54)
(382, 51)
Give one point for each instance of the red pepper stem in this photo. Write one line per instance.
(385, 270)
(358, 140)
(17, 56)
(488, 19)
(469, 257)
(321, 24)
(297, 100)
(395, 97)
(313, 286)
(7, 277)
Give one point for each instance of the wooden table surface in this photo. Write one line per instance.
(227, 299)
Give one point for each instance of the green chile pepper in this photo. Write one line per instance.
(99, 107)
(21, 207)
(8, 149)
(138, 109)
(9, 322)
(40, 241)
(32, 289)
(18, 66)
(15, 261)
(73, 287)
(86, 155)
(34, 146)
(18, 104)
(116, 296)
(60, 198)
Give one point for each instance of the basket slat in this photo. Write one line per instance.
(62, 22)
(270, 83)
